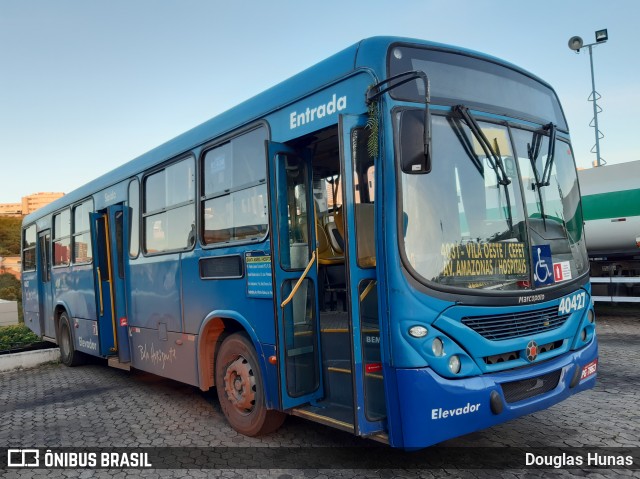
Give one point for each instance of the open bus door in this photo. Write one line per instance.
(109, 231)
(45, 295)
(295, 275)
(366, 365)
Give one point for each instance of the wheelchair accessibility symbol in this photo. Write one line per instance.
(542, 265)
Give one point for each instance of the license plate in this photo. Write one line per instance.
(589, 370)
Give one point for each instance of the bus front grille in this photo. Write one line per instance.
(515, 325)
(527, 388)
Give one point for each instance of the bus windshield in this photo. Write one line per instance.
(467, 225)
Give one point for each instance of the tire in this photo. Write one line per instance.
(240, 388)
(68, 354)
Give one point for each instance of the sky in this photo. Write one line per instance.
(87, 85)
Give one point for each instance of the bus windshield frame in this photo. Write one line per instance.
(481, 84)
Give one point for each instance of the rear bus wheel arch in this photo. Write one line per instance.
(240, 387)
(215, 327)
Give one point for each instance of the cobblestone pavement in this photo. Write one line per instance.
(93, 405)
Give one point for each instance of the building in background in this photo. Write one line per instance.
(29, 204)
(10, 209)
(37, 200)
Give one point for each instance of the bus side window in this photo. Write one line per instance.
(234, 190)
(29, 249)
(82, 252)
(169, 213)
(62, 238)
(134, 204)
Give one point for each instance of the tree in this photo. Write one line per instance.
(10, 288)
(10, 235)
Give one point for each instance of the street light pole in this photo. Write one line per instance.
(575, 43)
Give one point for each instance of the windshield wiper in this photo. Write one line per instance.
(493, 156)
(495, 160)
(551, 152)
(533, 151)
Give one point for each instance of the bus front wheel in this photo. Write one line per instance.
(68, 354)
(240, 388)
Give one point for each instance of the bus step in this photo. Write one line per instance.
(328, 414)
(114, 362)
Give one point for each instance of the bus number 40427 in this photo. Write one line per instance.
(572, 303)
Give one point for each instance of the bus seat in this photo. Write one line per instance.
(327, 254)
(335, 238)
(366, 234)
(322, 242)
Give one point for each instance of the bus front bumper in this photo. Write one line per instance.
(433, 409)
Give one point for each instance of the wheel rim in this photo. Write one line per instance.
(240, 385)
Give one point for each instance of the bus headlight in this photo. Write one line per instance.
(583, 335)
(454, 364)
(418, 331)
(437, 347)
(591, 316)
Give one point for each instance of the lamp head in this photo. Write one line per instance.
(575, 43)
(601, 36)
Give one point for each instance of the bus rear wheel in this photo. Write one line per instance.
(240, 388)
(68, 354)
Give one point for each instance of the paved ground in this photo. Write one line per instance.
(96, 406)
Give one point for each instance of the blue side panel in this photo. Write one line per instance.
(30, 302)
(32, 321)
(206, 295)
(438, 409)
(30, 292)
(322, 109)
(270, 375)
(86, 336)
(155, 296)
(172, 356)
(74, 287)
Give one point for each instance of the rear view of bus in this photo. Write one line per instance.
(490, 311)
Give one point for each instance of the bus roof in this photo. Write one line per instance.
(369, 54)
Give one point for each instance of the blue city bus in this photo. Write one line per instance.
(389, 243)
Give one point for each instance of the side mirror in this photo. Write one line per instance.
(413, 165)
(415, 154)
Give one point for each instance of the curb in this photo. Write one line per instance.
(29, 359)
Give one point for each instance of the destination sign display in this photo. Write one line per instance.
(484, 259)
